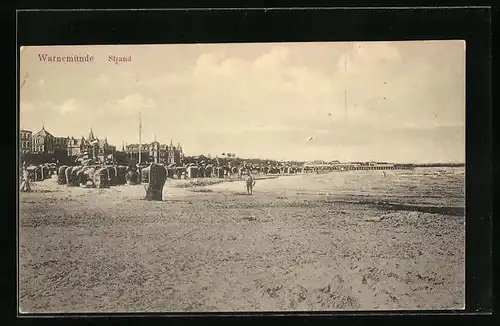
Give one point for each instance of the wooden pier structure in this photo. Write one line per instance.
(354, 167)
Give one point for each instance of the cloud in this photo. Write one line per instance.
(117, 80)
(274, 60)
(272, 88)
(69, 106)
(166, 82)
(103, 81)
(27, 107)
(131, 104)
(217, 64)
(268, 81)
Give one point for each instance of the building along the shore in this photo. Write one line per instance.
(45, 143)
(155, 152)
(25, 137)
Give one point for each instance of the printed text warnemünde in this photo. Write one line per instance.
(66, 59)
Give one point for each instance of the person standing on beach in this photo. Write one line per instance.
(250, 182)
(25, 184)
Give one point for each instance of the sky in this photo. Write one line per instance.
(384, 101)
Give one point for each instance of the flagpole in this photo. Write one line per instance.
(140, 139)
(345, 100)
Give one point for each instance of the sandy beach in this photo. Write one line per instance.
(214, 248)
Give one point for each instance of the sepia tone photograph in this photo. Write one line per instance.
(242, 177)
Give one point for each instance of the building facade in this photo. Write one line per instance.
(156, 152)
(60, 145)
(25, 137)
(43, 142)
(77, 146)
(91, 148)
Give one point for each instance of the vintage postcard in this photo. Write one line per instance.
(242, 177)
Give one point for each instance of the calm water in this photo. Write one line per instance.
(438, 187)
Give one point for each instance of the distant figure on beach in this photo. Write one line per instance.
(384, 174)
(25, 184)
(250, 182)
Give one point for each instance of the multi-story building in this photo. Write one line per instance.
(76, 146)
(60, 144)
(175, 154)
(42, 142)
(104, 148)
(133, 150)
(25, 141)
(93, 146)
(156, 152)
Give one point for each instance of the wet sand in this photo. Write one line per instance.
(213, 248)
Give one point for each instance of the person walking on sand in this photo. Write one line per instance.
(250, 182)
(25, 184)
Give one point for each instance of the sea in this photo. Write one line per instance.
(430, 188)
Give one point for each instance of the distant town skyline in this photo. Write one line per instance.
(86, 136)
(394, 102)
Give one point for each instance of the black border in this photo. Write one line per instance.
(296, 25)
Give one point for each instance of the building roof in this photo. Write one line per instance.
(102, 142)
(44, 133)
(91, 135)
(23, 130)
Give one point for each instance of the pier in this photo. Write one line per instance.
(354, 167)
